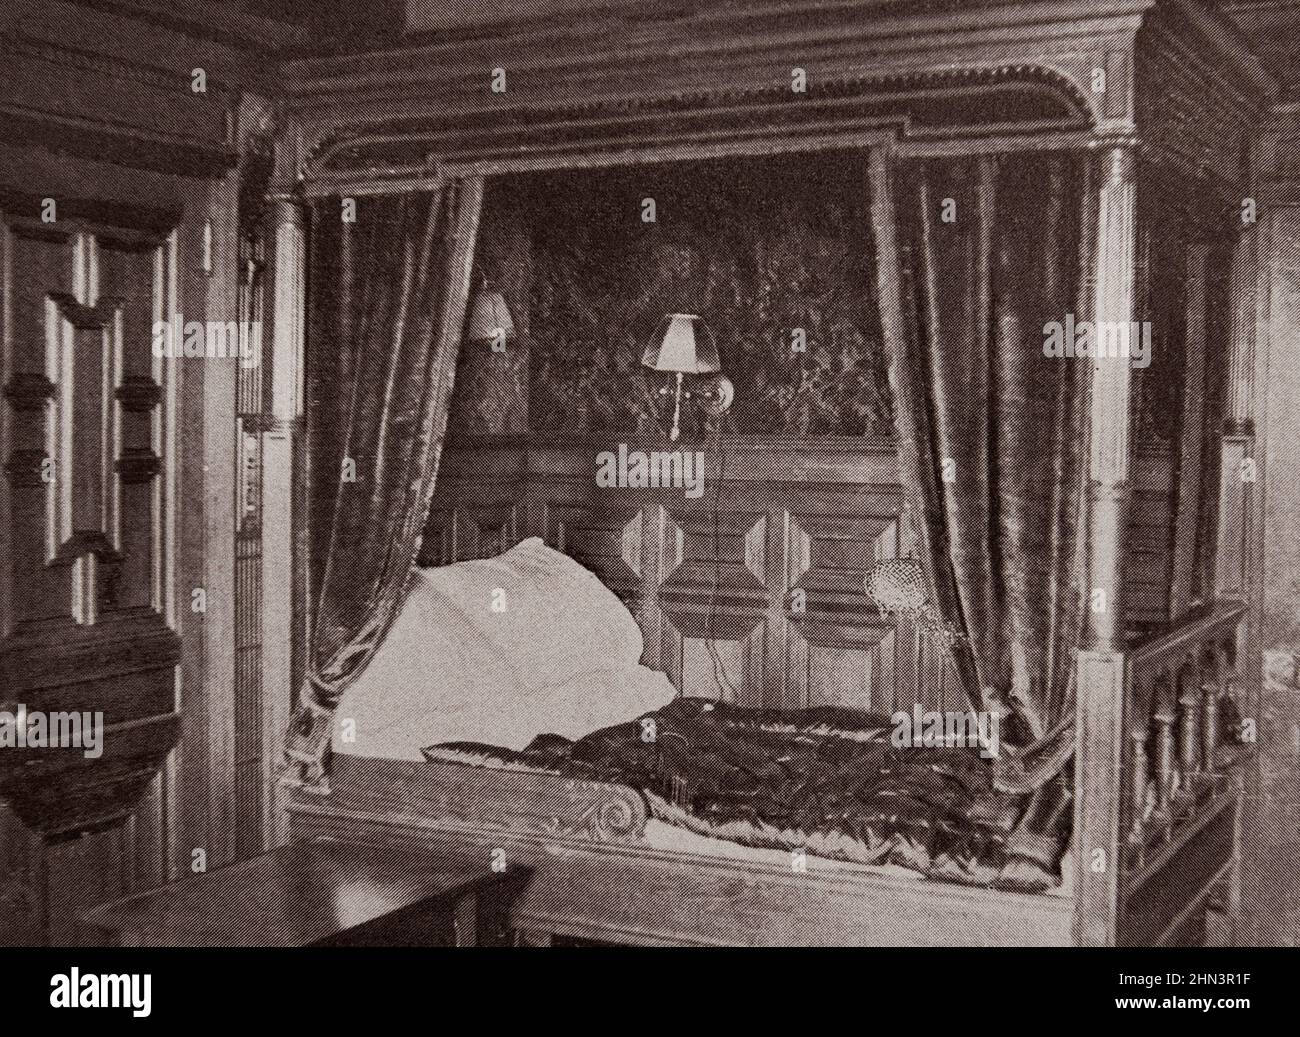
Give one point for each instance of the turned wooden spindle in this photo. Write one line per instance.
(1230, 693)
(1190, 700)
(1210, 728)
(1140, 779)
(1165, 740)
(1229, 689)
(1210, 688)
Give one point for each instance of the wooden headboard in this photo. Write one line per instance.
(798, 527)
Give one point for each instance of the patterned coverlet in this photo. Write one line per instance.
(828, 781)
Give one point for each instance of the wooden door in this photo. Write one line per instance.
(86, 557)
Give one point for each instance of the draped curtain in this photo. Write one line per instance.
(390, 293)
(986, 256)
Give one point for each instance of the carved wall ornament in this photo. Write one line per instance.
(26, 468)
(138, 464)
(29, 391)
(139, 393)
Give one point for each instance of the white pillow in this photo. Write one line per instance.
(557, 656)
(550, 615)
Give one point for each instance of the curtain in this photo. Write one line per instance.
(388, 313)
(986, 258)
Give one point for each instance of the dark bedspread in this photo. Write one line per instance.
(827, 781)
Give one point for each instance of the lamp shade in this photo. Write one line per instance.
(682, 344)
(489, 316)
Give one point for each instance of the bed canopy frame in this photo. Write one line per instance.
(1138, 88)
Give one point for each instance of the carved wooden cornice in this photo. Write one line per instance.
(134, 226)
(929, 106)
(597, 90)
(142, 117)
(572, 87)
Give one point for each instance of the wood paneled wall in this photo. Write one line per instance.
(1150, 534)
(786, 622)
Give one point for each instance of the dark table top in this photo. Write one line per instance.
(289, 897)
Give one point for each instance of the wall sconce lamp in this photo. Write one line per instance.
(683, 345)
(489, 317)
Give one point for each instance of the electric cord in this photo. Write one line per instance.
(726, 690)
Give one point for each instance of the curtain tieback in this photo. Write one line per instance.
(307, 747)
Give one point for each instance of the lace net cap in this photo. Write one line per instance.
(897, 586)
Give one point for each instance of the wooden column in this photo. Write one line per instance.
(1275, 414)
(219, 404)
(1232, 577)
(1239, 557)
(1100, 732)
(1191, 448)
(283, 381)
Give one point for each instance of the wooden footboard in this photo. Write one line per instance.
(1182, 765)
(617, 888)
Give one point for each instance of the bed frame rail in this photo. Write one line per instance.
(1181, 776)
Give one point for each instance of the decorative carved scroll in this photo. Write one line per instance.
(492, 797)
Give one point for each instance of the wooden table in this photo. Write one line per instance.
(323, 893)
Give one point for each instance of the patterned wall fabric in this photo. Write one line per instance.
(759, 249)
(491, 395)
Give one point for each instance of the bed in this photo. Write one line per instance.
(1133, 741)
(608, 838)
(519, 693)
